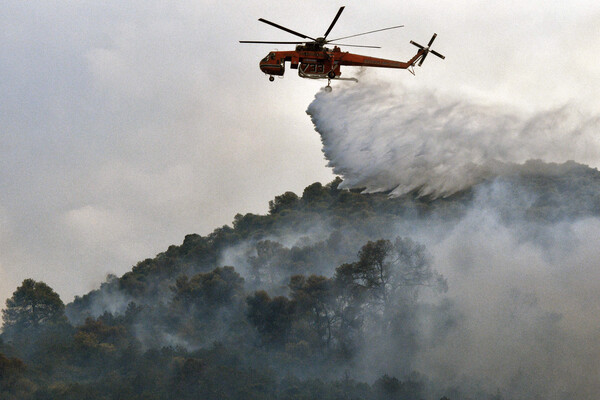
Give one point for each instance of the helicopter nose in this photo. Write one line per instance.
(272, 67)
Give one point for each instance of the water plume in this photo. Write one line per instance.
(384, 138)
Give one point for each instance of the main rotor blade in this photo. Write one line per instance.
(365, 33)
(432, 39)
(437, 54)
(283, 28)
(334, 21)
(265, 42)
(354, 45)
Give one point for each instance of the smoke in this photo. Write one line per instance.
(526, 294)
(298, 242)
(382, 138)
(520, 314)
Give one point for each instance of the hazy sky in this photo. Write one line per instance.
(126, 126)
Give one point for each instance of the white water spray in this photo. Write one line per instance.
(382, 139)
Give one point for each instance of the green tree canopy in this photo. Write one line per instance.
(282, 202)
(272, 317)
(32, 305)
(216, 288)
(314, 297)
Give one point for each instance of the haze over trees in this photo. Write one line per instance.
(332, 295)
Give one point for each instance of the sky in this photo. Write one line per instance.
(125, 126)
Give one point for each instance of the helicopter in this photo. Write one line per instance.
(315, 61)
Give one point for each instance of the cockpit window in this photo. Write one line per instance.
(270, 56)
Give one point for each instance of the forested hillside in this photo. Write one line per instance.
(334, 294)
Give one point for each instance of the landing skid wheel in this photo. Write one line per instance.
(271, 79)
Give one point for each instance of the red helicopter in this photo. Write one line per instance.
(315, 61)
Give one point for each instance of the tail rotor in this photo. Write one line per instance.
(427, 49)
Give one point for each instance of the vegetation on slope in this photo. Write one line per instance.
(314, 283)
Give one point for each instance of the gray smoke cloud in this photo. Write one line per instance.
(525, 292)
(385, 138)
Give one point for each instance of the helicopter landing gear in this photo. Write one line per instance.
(331, 75)
(328, 87)
(271, 78)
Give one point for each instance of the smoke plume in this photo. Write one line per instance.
(524, 291)
(399, 140)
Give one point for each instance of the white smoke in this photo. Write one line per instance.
(526, 293)
(395, 139)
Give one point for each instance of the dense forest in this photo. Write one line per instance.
(334, 294)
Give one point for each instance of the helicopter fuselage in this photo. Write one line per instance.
(315, 61)
(318, 62)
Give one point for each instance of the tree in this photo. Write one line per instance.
(12, 382)
(315, 297)
(331, 309)
(32, 306)
(267, 264)
(209, 290)
(283, 202)
(387, 273)
(272, 318)
(96, 335)
(204, 306)
(390, 388)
